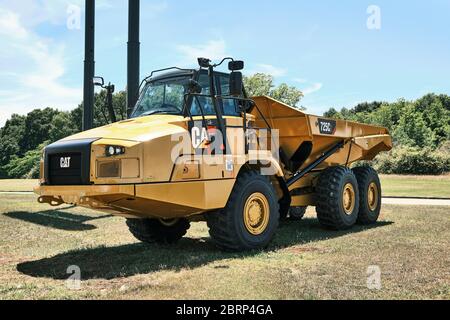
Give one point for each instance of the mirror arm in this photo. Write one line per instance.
(223, 60)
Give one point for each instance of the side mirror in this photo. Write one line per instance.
(194, 87)
(204, 62)
(236, 65)
(236, 84)
(99, 81)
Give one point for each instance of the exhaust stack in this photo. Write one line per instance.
(89, 66)
(133, 55)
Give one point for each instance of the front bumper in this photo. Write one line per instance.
(158, 200)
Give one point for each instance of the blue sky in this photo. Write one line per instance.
(324, 48)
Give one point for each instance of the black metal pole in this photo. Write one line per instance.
(89, 66)
(133, 55)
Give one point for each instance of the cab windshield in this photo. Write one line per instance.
(162, 97)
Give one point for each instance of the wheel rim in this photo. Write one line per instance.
(168, 222)
(372, 196)
(256, 214)
(349, 199)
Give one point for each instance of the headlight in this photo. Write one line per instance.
(114, 151)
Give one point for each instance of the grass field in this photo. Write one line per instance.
(394, 186)
(411, 246)
(17, 185)
(416, 186)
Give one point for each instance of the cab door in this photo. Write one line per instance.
(219, 162)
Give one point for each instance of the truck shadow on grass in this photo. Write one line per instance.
(133, 259)
(57, 219)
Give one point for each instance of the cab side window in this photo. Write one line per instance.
(203, 102)
(229, 106)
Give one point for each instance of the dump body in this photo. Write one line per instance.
(364, 142)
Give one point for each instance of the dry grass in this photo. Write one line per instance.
(17, 185)
(410, 245)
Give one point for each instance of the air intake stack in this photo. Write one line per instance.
(133, 55)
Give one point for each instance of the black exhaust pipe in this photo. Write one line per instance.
(89, 66)
(133, 55)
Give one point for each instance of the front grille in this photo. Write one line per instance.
(68, 163)
(65, 169)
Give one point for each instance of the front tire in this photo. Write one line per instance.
(370, 195)
(158, 231)
(338, 198)
(250, 218)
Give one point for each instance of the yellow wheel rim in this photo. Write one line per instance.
(168, 222)
(372, 196)
(256, 214)
(349, 199)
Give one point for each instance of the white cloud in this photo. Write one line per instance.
(213, 49)
(300, 80)
(35, 12)
(10, 25)
(266, 69)
(269, 69)
(312, 88)
(32, 69)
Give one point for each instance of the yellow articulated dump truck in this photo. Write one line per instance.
(197, 148)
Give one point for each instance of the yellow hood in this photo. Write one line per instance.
(139, 129)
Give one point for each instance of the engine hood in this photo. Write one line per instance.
(139, 129)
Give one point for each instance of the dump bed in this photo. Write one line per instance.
(304, 138)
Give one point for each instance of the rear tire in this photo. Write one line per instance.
(157, 231)
(338, 198)
(250, 218)
(370, 195)
(297, 213)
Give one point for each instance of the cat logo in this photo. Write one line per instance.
(199, 137)
(64, 162)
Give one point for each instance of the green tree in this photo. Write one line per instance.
(62, 126)
(37, 128)
(10, 136)
(435, 115)
(333, 113)
(259, 84)
(367, 107)
(262, 85)
(412, 130)
(27, 166)
(101, 115)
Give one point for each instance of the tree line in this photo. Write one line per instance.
(421, 129)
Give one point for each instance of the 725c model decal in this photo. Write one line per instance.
(327, 126)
